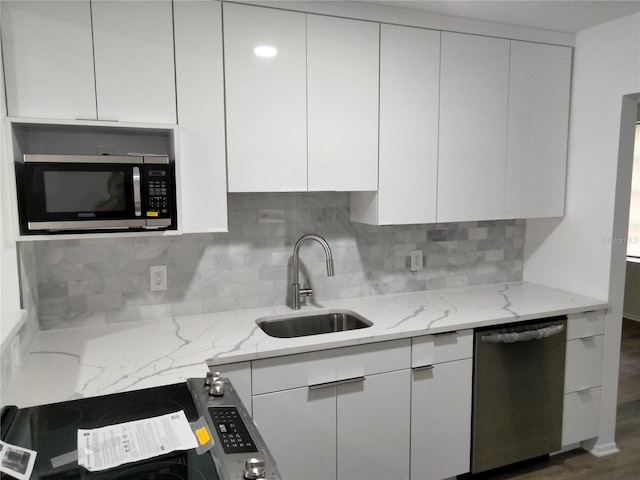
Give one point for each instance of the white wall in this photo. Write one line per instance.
(580, 253)
(10, 313)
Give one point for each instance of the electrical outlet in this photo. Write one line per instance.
(16, 359)
(158, 277)
(416, 260)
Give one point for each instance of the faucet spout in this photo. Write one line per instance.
(296, 292)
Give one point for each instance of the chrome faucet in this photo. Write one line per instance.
(295, 291)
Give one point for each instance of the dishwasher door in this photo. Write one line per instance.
(518, 392)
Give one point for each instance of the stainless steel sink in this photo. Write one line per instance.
(312, 323)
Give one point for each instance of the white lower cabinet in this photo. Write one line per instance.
(441, 405)
(357, 430)
(299, 426)
(583, 377)
(581, 416)
(373, 421)
(441, 420)
(362, 413)
(341, 413)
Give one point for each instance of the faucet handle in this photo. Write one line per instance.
(306, 292)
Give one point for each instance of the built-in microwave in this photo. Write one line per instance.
(67, 193)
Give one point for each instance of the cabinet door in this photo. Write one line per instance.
(441, 420)
(539, 88)
(266, 99)
(134, 61)
(299, 427)
(373, 427)
(474, 90)
(581, 416)
(48, 59)
(200, 93)
(342, 91)
(409, 97)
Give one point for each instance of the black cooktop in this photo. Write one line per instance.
(51, 430)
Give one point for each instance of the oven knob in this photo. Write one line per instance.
(254, 468)
(211, 378)
(216, 389)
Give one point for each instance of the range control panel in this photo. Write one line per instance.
(239, 451)
(231, 430)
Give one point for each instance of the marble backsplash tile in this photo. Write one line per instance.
(98, 281)
(28, 332)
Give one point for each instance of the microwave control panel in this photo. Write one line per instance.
(157, 186)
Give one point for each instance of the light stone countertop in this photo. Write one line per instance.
(88, 361)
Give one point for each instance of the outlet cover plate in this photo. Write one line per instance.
(158, 278)
(416, 260)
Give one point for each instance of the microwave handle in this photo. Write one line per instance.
(137, 197)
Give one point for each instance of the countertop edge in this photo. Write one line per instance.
(332, 342)
(111, 358)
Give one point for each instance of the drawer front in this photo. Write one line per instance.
(326, 366)
(432, 349)
(581, 417)
(585, 324)
(583, 368)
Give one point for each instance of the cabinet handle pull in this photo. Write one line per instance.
(97, 119)
(337, 383)
(588, 339)
(422, 367)
(444, 333)
(583, 391)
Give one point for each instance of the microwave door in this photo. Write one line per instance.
(69, 196)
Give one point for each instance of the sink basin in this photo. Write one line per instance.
(312, 323)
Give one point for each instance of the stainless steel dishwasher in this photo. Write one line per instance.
(518, 392)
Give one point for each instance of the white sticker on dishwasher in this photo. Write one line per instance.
(113, 445)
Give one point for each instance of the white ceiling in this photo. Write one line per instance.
(569, 16)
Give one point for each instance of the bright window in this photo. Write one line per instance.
(633, 240)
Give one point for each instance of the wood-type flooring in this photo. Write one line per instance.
(581, 465)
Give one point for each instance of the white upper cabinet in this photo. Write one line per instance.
(53, 48)
(266, 99)
(409, 99)
(306, 118)
(474, 86)
(342, 90)
(134, 60)
(48, 59)
(539, 90)
(200, 92)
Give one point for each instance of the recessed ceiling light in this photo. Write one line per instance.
(265, 51)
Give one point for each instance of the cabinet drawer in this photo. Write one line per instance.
(581, 417)
(316, 368)
(432, 349)
(584, 363)
(585, 324)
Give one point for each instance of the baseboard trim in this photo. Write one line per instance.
(598, 450)
(631, 316)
